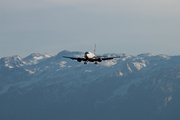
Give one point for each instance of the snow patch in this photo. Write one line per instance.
(88, 70)
(108, 63)
(31, 72)
(39, 58)
(138, 65)
(129, 68)
(62, 64)
(119, 73)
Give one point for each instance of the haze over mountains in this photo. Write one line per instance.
(46, 86)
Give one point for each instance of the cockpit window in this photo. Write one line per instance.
(86, 52)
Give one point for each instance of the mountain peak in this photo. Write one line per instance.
(14, 61)
(35, 58)
(68, 53)
(146, 55)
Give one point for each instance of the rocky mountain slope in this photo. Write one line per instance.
(45, 86)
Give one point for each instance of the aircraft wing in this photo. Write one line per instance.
(73, 58)
(100, 56)
(110, 58)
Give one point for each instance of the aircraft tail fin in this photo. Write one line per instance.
(94, 49)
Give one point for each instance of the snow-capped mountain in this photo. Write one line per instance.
(35, 58)
(11, 62)
(45, 86)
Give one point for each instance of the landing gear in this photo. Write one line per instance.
(96, 62)
(85, 62)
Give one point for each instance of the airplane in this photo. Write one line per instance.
(91, 57)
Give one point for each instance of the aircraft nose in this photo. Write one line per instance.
(86, 55)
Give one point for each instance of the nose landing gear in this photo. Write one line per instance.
(96, 62)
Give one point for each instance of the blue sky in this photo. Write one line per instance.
(50, 26)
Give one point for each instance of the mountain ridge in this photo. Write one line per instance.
(145, 86)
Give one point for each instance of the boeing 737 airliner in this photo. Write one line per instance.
(88, 56)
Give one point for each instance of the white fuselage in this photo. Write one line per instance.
(89, 55)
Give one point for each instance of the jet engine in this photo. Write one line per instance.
(99, 59)
(79, 59)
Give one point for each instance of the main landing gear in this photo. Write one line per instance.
(94, 63)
